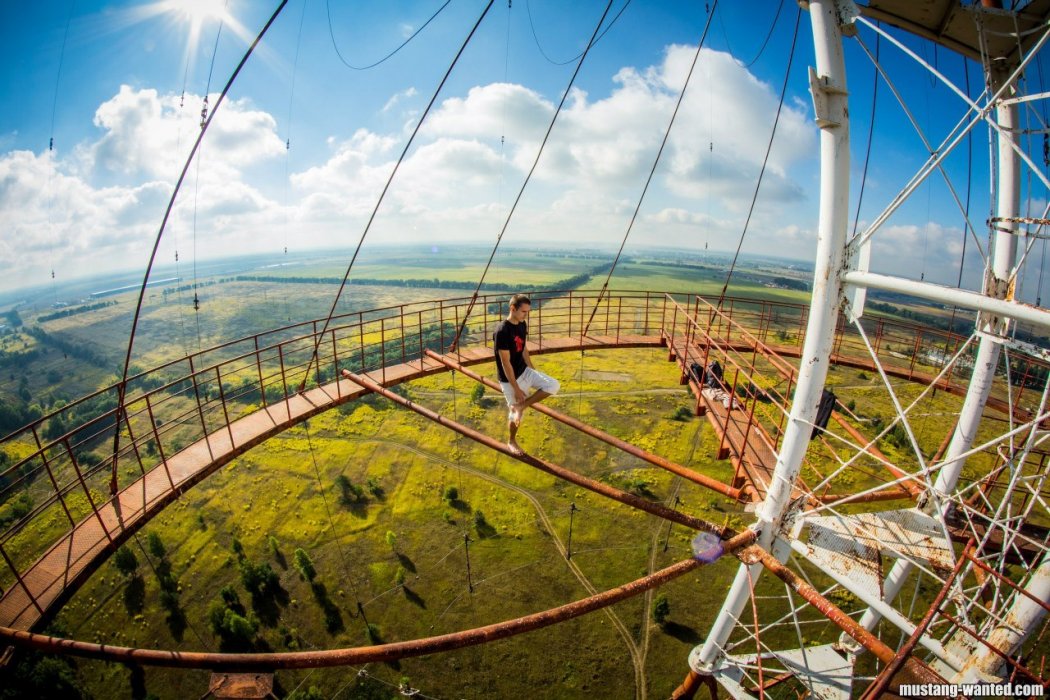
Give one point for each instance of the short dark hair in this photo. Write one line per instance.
(519, 299)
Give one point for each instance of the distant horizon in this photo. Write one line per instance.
(9, 297)
(302, 147)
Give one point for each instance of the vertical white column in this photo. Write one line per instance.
(1025, 617)
(1004, 253)
(828, 85)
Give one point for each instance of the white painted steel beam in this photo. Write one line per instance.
(831, 108)
(962, 298)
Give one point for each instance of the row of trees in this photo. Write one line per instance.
(74, 311)
(434, 282)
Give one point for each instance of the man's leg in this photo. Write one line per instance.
(512, 443)
(545, 386)
(539, 395)
(513, 417)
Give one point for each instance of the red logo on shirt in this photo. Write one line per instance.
(519, 343)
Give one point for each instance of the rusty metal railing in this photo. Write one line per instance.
(64, 469)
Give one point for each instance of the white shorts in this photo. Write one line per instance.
(530, 379)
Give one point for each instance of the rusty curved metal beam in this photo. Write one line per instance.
(357, 655)
(752, 554)
(656, 460)
(543, 465)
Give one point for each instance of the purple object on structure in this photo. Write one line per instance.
(707, 547)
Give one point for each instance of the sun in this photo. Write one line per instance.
(196, 12)
(194, 17)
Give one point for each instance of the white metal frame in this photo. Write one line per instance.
(1007, 617)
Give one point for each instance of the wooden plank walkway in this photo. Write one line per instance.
(70, 561)
(749, 447)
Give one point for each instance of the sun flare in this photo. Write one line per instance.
(196, 12)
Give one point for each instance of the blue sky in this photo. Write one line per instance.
(95, 202)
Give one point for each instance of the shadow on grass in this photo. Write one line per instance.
(414, 597)
(357, 508)
(460, 505)
(485, 530)
(135, 595)
(267, 606)
(682, 633)
(333, 618)
(278, 556)
(169, 599)
(138, 682)
(407, 563)
(176, 620)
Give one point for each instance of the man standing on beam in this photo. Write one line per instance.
(516, 373)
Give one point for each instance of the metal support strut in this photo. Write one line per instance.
(828, 85)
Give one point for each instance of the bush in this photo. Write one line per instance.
(682, 413)
(311, 693)
(661, 609)
(304, 565)
(451, 494)
(229, 596)
(477, 394)
(898, 437)
(237, 548)
(400, 576)
(391, 540)
(274, 547)
(231, 626)
(373, 487)
(126, 561)
(15, 509)
(259, 579)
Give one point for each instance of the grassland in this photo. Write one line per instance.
(276, 490)
(285, 495)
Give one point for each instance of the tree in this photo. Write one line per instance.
(126, 561)
(229, 596)
(259, 579)
(451, 494)
(304, 565)
(661, 609)
(478, 394)
(400, 576)
(156, 547)
(391, 540)
(238, 548)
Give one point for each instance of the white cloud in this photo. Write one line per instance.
(102, 204)
(105, 199)
(398, 97)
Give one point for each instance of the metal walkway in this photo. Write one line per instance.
(72, 559)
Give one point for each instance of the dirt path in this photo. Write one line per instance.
(676, 487)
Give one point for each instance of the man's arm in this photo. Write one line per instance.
(525, 355)
(504, 358)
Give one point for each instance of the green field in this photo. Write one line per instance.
(363, 491)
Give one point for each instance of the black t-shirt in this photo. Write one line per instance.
(511, 336)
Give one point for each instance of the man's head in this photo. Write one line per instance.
(519, 308)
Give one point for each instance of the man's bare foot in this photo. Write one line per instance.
(515, 448)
